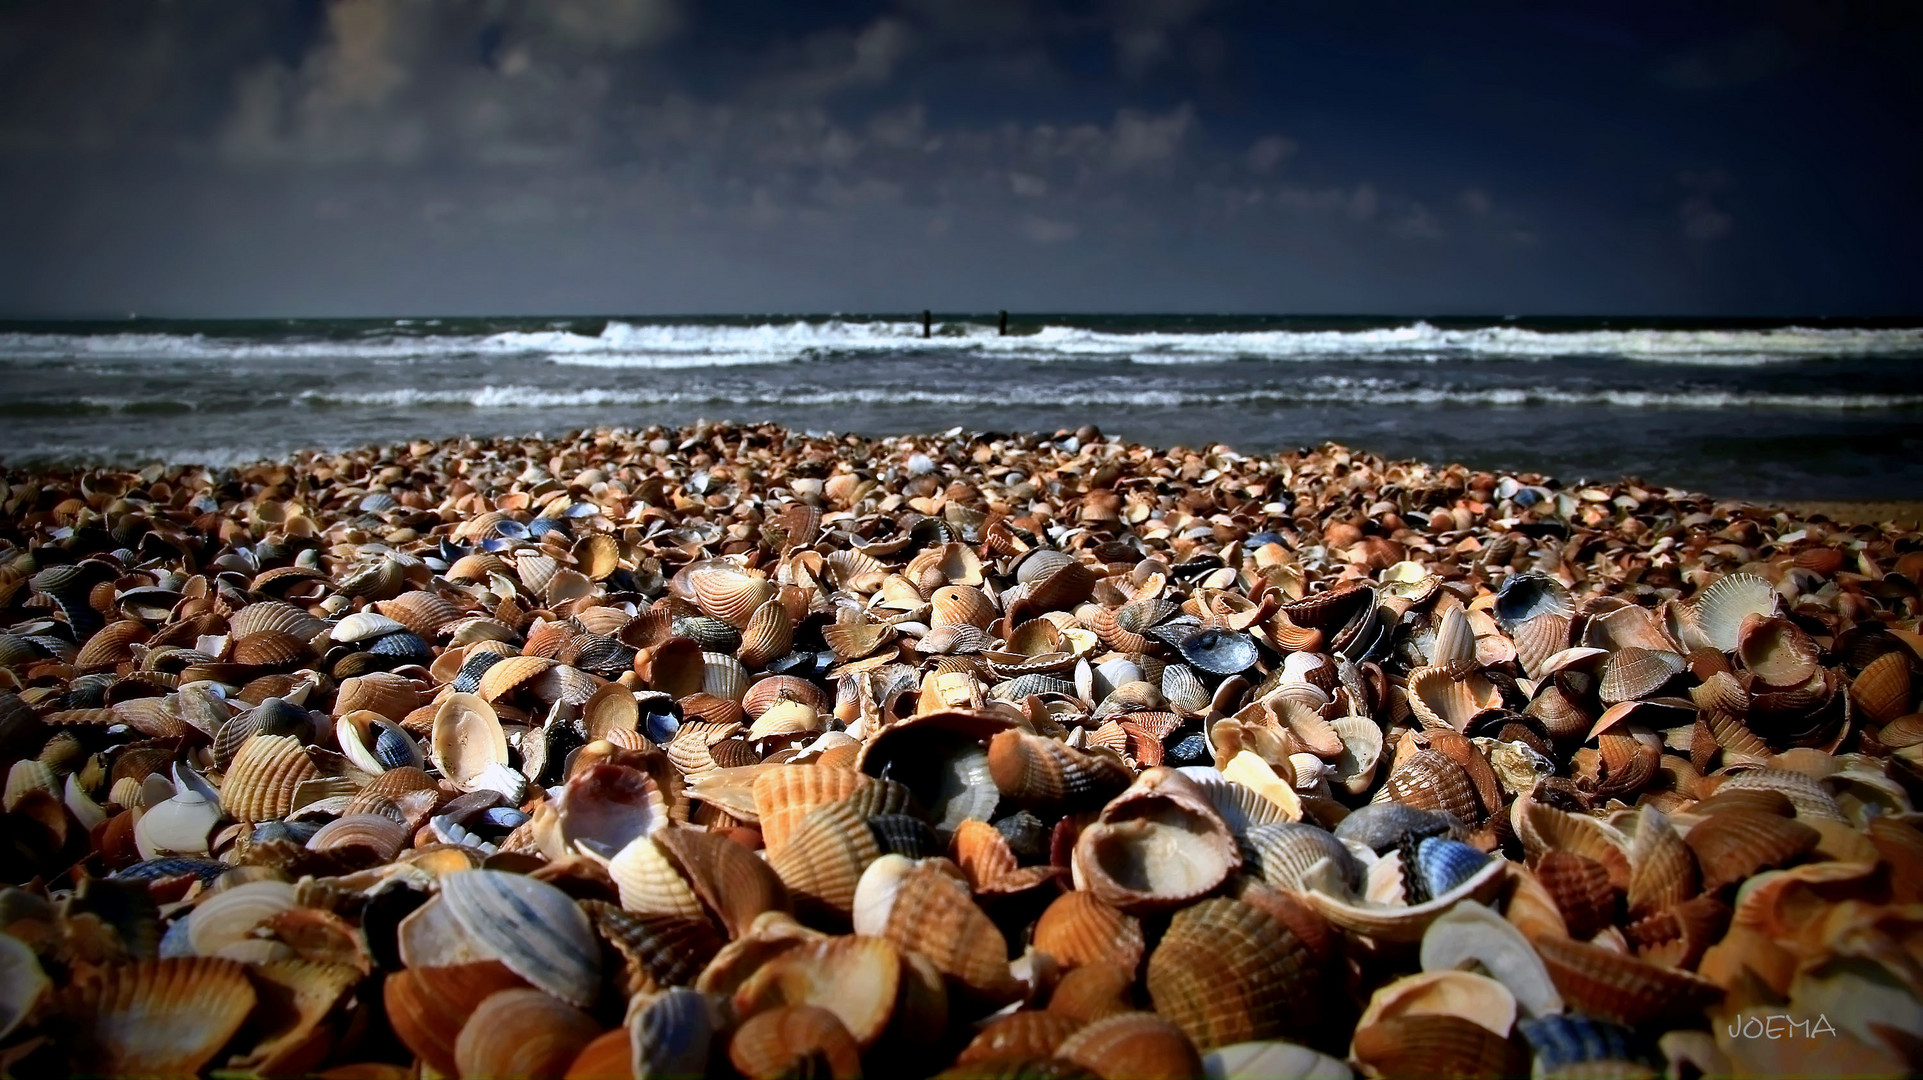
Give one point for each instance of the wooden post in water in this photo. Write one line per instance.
(927, 323)
(1004, 330)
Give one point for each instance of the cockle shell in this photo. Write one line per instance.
(1470, 936)
(467, 741)
(1605, 983)
(857, 978)
(1036, 771)
(1462, 994)
(427, 1006)
(1080, 928)
(537, 930)
(1735, 844)
(1435, 1045)
(925, 907)
(823, 857)
(155, 1017)
(521, 1032)
(1136, 1044)
(260, 784)
(1228, 972)
(1021, 1035)
(1160, 844)
(794, 1039)
(1726, 602)
(783, 796)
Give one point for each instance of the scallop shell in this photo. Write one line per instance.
(260, 784)
(1726, 602)
(1631, 673)
(1430, 780)
(1160, 844)
(1079, 928)
(1036, 771)
(155, 1017)
(537, 930)
(1228, 972)
(1283, 854)
(522, 1033)
(1134, 1044)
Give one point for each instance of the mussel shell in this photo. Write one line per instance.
(1219, 652)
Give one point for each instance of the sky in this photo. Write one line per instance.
(267, 158)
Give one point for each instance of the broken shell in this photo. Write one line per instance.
(467, 741)
(522, 1033)
(1471, 936)
(155, 1017)
(1160, 844)
(791, 1039)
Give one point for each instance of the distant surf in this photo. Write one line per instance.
(1811, 409)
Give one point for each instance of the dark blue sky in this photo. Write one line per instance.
(659, 156)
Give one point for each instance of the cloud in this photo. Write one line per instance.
(1042, 230)
(1269, 151)
(1141, 139)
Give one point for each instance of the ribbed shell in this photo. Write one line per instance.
(1079, 928)
(1036, 771)
(1228, 972)
(1734, 844)
(822, 858)
(155, 1017)
(266, 770)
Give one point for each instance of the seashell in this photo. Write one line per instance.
(607, 806)
(650, 883)
(22, 983)
(534, 928)
(359, 627)
(823, 858)
(509, 674)
(1219, 652)
(1021, 1035)
(727, 877)
(1539, 641)
(1035, 771)
(1722, 607)
(794, 1040)
(1079, 928)
(597, 555)
(230, 917)
(1529, 596)
(423, 613)
(1092, 991)
(923, 907)
(1430, 780)
(659, 950)
(266, 770)
(1662, 871)
(1607, 984)
(1881, 691)
(1454, 652)
(770, 633)
(1272, 1060)
(1631, 673)
(1228, 972)
(1135, 1044)
(783, 796)
(379, 838)
(427, 1006)
(1396, 922)
(727, 592)
(1444, 864)
(1384, 826)
(379, 692)
(374, 743)
(940, 758)
(155, 1017)
(722, 676)
(1470, 936)
(1160, 844)
(1464, 995)
(522, 1033)
(1442, 701)
(1435, 1045)
(1808, 795)
(671, 1036)
(1283, 853)
(1735, 844)
(1580, 889)
(856, 978)
(1777, 652)
(1543, 828)
(961, 605)
(274, 716)
(467, 742)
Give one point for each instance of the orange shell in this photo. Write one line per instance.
(1133, 1044)
(1580, 887)
(1606, 983)
(260, 784)
(934, 915)
(822, 859)
(1080, 928)
(794, 1040)
(426, 1007)
(1882, 689)
(383, 692)
(727, 877)
(1092, 991)
(1436, 1046)
(856, 977)
(1034, 770)
(1229, 972)
(785, 795)
(1734, 844)
(522, 1033)
(155, 1017)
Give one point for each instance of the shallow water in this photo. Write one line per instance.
(1817, 410)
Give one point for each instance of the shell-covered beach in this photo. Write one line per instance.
(729, 750)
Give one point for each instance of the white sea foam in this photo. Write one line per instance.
(677, 345)
(1327, 392)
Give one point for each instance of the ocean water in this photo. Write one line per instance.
(1814, 410)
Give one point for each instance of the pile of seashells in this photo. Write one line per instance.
(733, 751)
